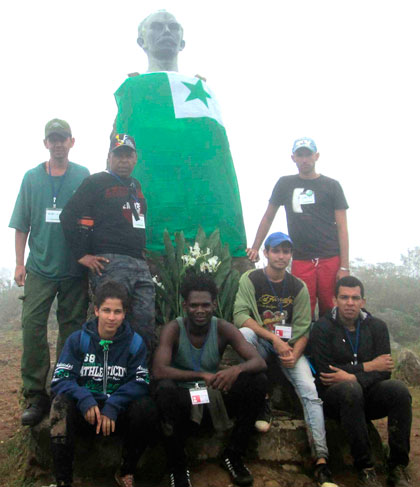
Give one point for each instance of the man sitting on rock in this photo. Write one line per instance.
(100, 385)
(186, 365)
(272, 308)
(351, 353)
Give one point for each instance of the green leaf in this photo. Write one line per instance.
(180, 248)
(213, 242)
(201, 238)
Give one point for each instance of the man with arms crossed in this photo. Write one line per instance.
(316, 218)
(50, 269)
(351, 353)
(186, 365)
(273, 312)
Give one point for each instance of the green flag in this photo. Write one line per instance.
(185, 166)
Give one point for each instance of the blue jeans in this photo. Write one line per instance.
(134, 274)
(300, 376)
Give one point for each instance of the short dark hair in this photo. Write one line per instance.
(198, 282)
(349, 281)
(111, 289)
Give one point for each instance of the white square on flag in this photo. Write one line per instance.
(194, 108)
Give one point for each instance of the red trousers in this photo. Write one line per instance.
(320, 277)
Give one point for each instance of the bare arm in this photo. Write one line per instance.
(253, 362)
(20, 244)
(262, 231)
(299, 347)
(343, 241)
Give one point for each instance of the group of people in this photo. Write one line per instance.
(90, 231)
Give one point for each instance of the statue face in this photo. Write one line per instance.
(161, 36)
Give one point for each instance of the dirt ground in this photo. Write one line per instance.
(206, 475)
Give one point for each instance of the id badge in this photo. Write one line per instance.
(52, 215)
(138, 223)
(283, 331)
(199, 395)
(307, 198)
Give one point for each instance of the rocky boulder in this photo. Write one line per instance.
(408, 368)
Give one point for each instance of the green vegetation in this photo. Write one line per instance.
(13, 455)
(206, 255)
(393, 294)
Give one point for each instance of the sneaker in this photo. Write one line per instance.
(239, 474)
(180, 479)
(124, 481)
(368, 478)
(263, 422)
(33, 415)
(398, 477)
(323, 476)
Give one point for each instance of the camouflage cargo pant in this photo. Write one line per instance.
(39, 294)
(136, 277)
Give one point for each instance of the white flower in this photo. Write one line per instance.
(195, 251)
(188, 260)
(158, 283)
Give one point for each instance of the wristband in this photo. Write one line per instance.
(344, 269)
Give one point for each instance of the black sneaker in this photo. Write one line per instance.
(368, 478)
(398, 477)
(181, 478)
(263, 422)
(33, 414)
(323, 476)
(239, 474)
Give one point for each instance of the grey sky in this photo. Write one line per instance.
(344, 73)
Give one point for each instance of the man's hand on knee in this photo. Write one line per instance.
(93, 415)
(108, 425)
(94, 263)
(336, 376)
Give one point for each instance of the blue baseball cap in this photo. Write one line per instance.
(304, 142)
(276, 239)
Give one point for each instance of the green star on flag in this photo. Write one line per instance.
(197, 91)
(185, 166)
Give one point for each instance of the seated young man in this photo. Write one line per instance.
(186, 365)
(100, 385)
(351, 352)
(272, 309)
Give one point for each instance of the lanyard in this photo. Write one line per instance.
(283, 289)
(131, 194)
(354, 347)
(54, 192)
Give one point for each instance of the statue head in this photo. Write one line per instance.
(161, 36)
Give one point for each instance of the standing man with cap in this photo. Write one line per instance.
(316, 218)
(50, 270)
(273, 313)
(104, 224)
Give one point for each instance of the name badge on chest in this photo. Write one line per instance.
(140, 223)
(199, 395)
(307, 197)
(283, 331)
(52, 215)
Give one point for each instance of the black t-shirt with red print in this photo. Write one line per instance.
(106, 215)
